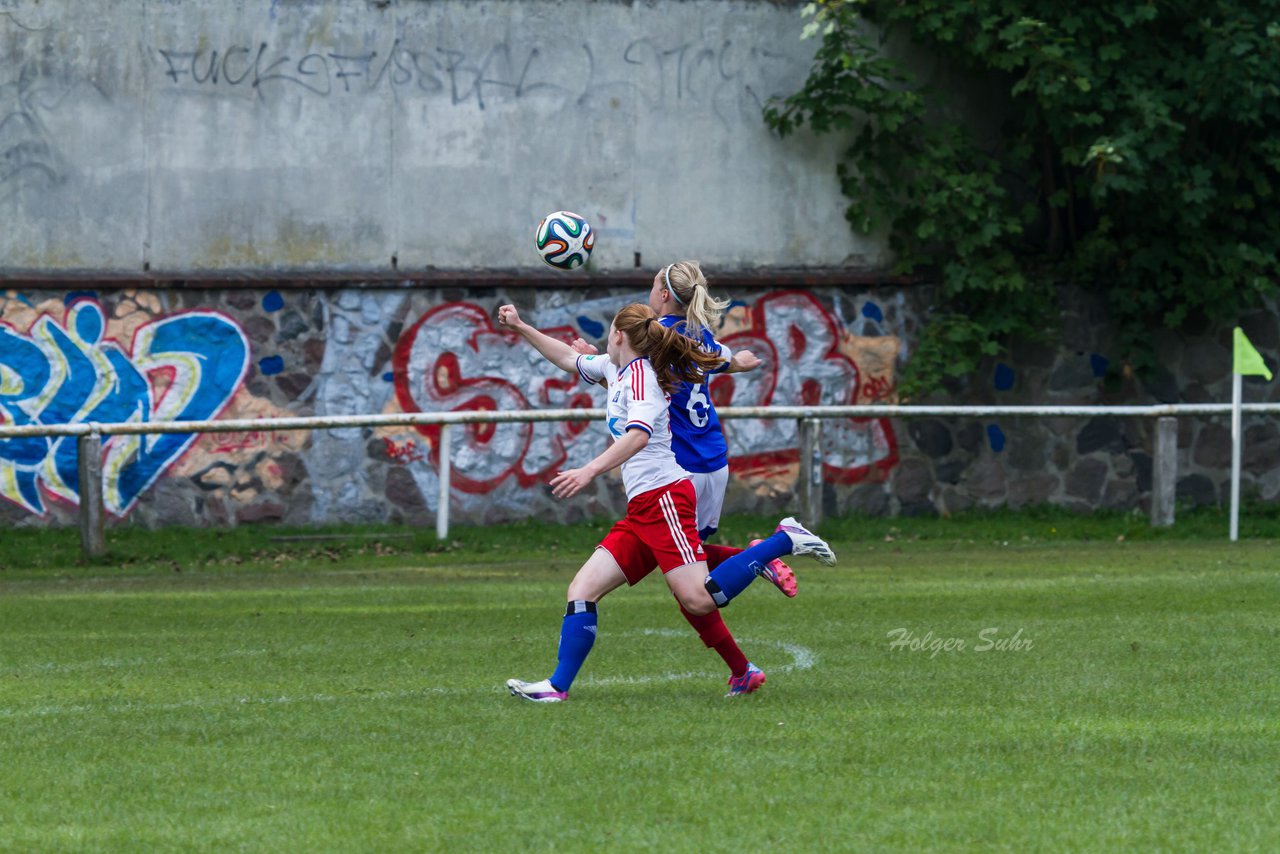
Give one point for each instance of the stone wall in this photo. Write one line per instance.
(1105, 462)
(189, 353)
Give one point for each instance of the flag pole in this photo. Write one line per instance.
(1235, 454)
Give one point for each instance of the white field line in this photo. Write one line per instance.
(802, 659)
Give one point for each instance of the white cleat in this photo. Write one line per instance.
(536, 692)
(805, 542)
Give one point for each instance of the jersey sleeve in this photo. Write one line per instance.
(594, 369)
(646, 401)
(713, 346)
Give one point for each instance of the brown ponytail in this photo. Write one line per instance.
(675, 357)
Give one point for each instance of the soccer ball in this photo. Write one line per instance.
(564, 240)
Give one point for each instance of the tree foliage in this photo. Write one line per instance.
(1137, 154)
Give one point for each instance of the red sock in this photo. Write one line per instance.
(715, 634)
(717, 555)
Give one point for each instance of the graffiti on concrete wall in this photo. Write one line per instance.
(454, 359)
(809, 361)
(731, 77)
(182, 367)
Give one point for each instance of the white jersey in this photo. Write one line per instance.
(637, 402)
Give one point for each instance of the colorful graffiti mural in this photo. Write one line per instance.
(809, 361)
(453, 359)
(183, 367)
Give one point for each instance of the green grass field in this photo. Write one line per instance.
(200, 691)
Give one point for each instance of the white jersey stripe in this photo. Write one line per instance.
(673, 525)
(677, 531)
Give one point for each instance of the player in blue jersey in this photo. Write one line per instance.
(681, 300)
(646, 361)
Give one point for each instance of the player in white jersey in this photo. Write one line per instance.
(645, 362)
(680, 298)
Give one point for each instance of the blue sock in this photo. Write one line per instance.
(732, 577)
(577, 635)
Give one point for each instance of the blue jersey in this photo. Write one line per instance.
(696, 436)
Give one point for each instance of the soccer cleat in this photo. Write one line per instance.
(779, 575)
(747, 683)
(805, 542)
(536, 692)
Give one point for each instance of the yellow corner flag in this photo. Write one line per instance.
(1248, 361)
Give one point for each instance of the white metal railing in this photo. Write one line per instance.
(808, 418)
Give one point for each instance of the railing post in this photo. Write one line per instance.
(93, 542)
(809, 485)
(1164, 472)
(442, 505)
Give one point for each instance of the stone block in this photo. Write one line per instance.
(242, 300)
(1206, 361)
(953, 500)
(1033, 490)
(931, 436)
(871, 499)
(1028, 448)
(403, 492)
(1162, 385)
(1197, 491)
(1120, 494)
(917, 508)
(970, 436)
(950, 471)
(260, 329)
(1141, 470)
(292, 385)
(1100, 434)
(986, 479)
(1087, 479)
(912, 480)
(263, 511)
(1213, 446)
(1261, 451)
(1072, 374)
(292, 325)
(313, 351)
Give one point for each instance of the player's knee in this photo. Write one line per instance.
(583, 589)
(696, 604)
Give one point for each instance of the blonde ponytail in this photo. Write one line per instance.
(689, 287)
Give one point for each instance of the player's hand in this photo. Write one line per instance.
(744, 360)
(570, 482)
(509, 317)
(582, 348)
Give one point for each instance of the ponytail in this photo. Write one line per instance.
(689, 287)
(675, 358)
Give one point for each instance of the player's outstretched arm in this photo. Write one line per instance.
(556, 352)
(743, 361)
(570, 482)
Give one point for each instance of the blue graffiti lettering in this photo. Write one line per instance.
(185, 367)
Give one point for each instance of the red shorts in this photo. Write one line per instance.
(661, 527)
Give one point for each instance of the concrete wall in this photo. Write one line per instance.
(268, 135)
(115, 355)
